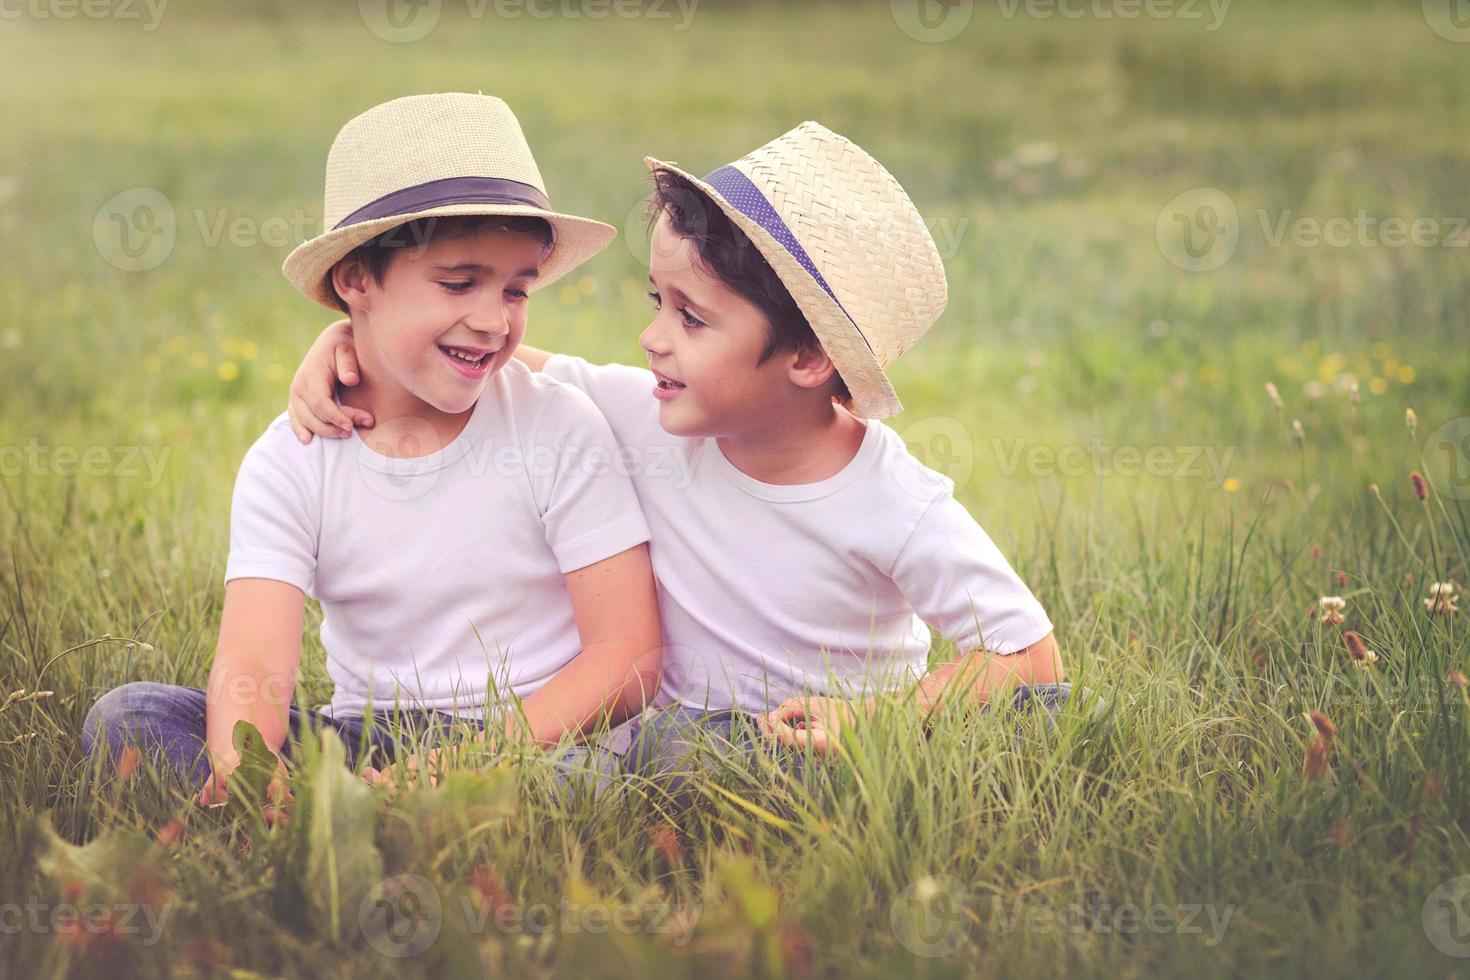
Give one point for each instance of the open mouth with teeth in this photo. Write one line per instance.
(666, 383)
(466, 360)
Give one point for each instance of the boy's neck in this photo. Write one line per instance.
(399, 417)
(805, 446)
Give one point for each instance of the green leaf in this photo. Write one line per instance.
(342, 861)
(248, 783)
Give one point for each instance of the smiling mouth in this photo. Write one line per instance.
(667, 384)
(467, 358)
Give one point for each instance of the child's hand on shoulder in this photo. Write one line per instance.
(331, 360)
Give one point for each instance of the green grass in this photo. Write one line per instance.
(1182, 599)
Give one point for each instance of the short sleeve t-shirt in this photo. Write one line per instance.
(771, 591)
(441, 576)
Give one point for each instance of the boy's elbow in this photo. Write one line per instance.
(1042, 663)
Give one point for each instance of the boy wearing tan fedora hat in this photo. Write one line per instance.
(802, 552)
(468, 550)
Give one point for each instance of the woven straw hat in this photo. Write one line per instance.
(847, 243)
(428, 156)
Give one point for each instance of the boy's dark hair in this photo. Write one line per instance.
(729, 253)
(378, 253)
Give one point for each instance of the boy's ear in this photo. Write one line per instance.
(350, 279)
(810, 368)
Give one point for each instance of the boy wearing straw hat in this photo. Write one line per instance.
(472, 541)
(802, 552)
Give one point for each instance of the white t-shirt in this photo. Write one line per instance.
(771, 591)
(441, 577)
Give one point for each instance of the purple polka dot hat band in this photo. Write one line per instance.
(742, 194)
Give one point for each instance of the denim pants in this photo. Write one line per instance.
(667, 746)
(167, 723)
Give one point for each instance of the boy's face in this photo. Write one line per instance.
(707, 338)
(446, 315)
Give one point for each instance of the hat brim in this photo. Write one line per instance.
(577, 240)
(872, 393)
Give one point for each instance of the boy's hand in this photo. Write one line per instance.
(216, 793)
(331, 360)
(818, 722)
(435, 766)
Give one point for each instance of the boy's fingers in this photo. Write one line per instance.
(785, 735)
(358, 416)
(319, 419)
(346, 364)
(788, 709)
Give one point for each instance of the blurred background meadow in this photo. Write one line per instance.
(1204, 371)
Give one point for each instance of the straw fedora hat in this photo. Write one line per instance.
(426, 156)
(847, 243)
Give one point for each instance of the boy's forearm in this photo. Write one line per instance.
(245, 689)
(979, 675)
(609, 678)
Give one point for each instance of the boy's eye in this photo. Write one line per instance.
(690, 320)
(518, 293)
(457, 287)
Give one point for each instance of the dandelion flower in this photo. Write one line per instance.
(1442, 599)
(1332, 607)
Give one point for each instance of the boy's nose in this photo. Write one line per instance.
(651, 340)
(491, 319)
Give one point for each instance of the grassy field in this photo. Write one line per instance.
(1145, 221)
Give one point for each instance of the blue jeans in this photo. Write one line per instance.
(666, 746)
(167, 723)
(669, 746)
